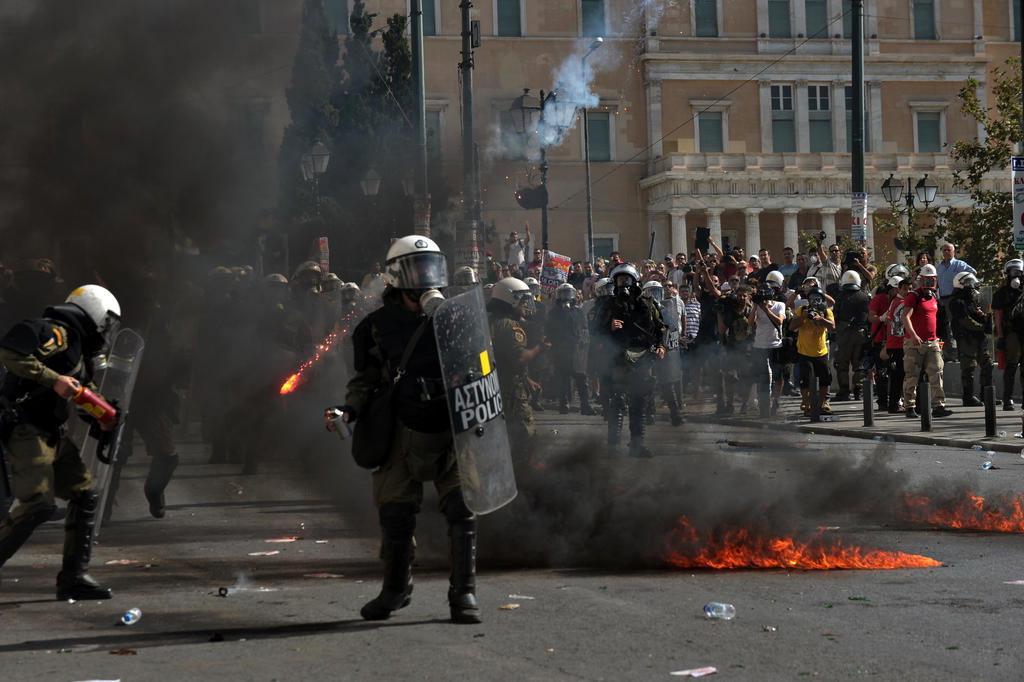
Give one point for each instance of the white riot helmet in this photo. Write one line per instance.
(603, 287)
(349, 291)
(416, 262)
(850, 280)
(465, 277)
(533, 284)
(513, 291)
(624, 269)
(928, 270)
(565, 293)
(99, 305)
(897, 270)
(1014, 268)
(654, 290)
(775, 279)
(965, 280)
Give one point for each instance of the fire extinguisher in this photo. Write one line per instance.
(95, 405)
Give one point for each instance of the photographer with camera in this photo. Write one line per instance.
(851, 334)
(921, 349)
(813, 321)
(767, 317)
(828, 270)
(736, 333)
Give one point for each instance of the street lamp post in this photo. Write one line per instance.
(586, 155)
(924, 192)
(314, 164)
(548, 118)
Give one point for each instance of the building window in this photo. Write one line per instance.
(512, 146)
(819, 115)
(433, 122)
(929, 132)
(592, 12)
(849, 122)
(603, 246)
(429, 18)
(848, 19)
(1016, 20)
(337, 15)
(509, 19)
(816, 12)
(706, 18)
(778, 19)
(600, 131)
(924, 20)
(709, 126)
(783, 122)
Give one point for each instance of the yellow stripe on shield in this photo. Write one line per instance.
(485, 363)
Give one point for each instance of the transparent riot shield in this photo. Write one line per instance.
(474, 402)
(115, 378)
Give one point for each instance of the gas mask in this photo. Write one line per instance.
(1014, 278)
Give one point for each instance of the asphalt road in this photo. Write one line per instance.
(298, 618)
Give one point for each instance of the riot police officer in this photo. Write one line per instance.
(569, 334)
(421, 437)
(511, 304)
(971, 326)
(634, 331)
(851, 313)
(1008, 328)
(48, 361)
(669, 371)
(598, 353)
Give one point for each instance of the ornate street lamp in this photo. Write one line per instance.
(923, 192)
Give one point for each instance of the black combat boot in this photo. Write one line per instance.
(161, 469)
(1008, 381)
(969, 399)
(398, 523)
(462, 584)
(637, 427)
(584, 395)
(73, 581)
(615, 417)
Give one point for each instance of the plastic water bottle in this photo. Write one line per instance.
(719, 611)
(978, 448)
(985, 466)
(1002, 434)
(131, 617)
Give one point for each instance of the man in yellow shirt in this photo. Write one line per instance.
(813, 321)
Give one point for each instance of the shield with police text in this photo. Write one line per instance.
(115, 378)
(474, 402)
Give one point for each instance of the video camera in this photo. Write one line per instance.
(763, 294)
(816, 304)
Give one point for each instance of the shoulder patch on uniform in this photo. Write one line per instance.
(56, 343)
(519, 334)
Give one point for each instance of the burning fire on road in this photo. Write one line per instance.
(744, 548)
(967, 510)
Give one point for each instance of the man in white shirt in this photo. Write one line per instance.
(516, 250)
(767, 318)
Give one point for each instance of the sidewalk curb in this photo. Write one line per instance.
(862, 433)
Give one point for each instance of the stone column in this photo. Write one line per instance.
(753, 237)
(802, 117)
(765, 100)
(715, 224)
(828, 224)
(654, 117)
(791, 228)
(679, 231)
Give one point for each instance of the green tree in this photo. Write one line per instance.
(985, 234)
(313, 90)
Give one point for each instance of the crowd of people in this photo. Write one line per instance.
(748, 331)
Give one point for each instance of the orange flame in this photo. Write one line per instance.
(734, 548)
(1004, 514)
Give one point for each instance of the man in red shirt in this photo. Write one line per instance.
(921, 348)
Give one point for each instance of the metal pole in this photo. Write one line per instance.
(869, 399)
(544, 206)
(421, 203)
(1020, 32)
(469, 251)
(989, 394)
(924, 404)
(590, 202)
(857, 48)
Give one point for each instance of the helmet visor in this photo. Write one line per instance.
(420, 271)
(657, 293)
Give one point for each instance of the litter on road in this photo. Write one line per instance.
(696, 672)
(508, 607)
(270, 553)
(521, 596)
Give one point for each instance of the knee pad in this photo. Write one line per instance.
(398, 519)
(455, 509)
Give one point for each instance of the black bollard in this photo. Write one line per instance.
(924, 405)
(815, 398)
(869, 400)
(988, 393)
